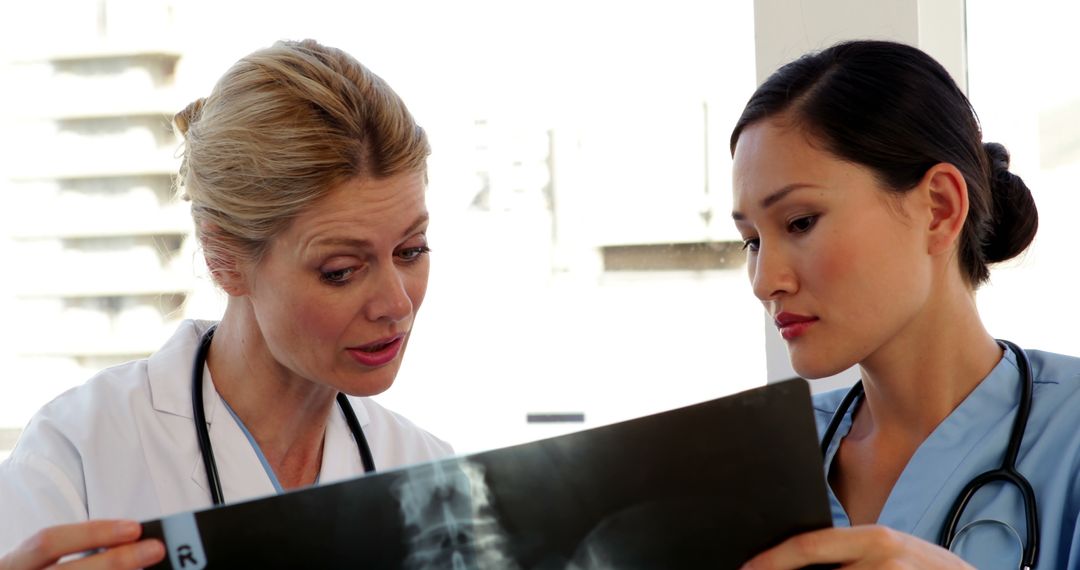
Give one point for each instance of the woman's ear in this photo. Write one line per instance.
(225, 268)
(948, 198)
(227, 276)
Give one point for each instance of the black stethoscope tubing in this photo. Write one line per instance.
(203, 435)
(1006, 473)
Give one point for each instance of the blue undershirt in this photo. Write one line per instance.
(258, 451)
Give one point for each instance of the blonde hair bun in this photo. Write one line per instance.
(184, 119)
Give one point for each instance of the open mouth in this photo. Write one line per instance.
(377, 353)
(378, 346)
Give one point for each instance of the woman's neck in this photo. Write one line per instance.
(912, 384)
(927, 370)
(286, 414)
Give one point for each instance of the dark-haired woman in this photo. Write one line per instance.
(871, 208)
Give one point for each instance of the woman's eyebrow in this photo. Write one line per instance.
(775, 197)
(357, 243)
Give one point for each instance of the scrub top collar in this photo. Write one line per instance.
(923, 480)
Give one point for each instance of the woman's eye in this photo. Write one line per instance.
(413, 253)
(751, 244)
(338, 276)
(802, 225)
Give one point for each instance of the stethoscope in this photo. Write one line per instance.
(1006, 473)
(203, 435)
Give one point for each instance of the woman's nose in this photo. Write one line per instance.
(771, 275)
(390, 299)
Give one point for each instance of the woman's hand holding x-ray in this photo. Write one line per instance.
(867, 546)
(120, 539)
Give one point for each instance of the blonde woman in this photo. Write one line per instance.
(306, 176)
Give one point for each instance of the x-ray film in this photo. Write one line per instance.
(706, 486)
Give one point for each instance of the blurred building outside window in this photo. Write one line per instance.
(583, 266)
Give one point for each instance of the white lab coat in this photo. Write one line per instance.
(123, 446)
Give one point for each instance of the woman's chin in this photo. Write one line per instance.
(368, 382)
(814, 369)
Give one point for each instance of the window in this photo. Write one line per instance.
(583, 270)
(1020, 84)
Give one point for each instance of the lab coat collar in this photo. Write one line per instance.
(169, 370)
(341, 454)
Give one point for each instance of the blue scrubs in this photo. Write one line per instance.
(972, 440)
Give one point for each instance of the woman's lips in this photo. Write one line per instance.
(792, 325)
(377, 353)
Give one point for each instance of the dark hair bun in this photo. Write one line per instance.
(1015, 218)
